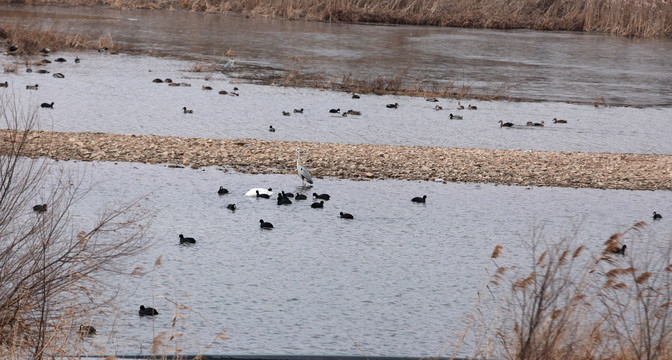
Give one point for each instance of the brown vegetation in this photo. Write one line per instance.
(51, 265)
(622, 17)
(398, 84)
(30, 39)
(566, 304)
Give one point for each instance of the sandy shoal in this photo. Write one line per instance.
(360, 162)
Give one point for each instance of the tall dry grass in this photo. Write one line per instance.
(31, 39)
(569, 304)
(398, 84)
(644, 18)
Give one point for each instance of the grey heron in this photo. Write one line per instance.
(303, 172)
(227, 66)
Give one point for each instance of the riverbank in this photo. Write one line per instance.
(362, 162)
(651, 18)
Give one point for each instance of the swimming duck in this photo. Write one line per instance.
(460, 106)
(285, 113)
(265, 225)
(223, 92)
(32, 87)
(61, 60)
(263, 195)
(5, 84)
(300, 197)
(77, 59)
(158, 81)
(222, 191)
(231, 207)
(392, 106)
(505, 124)
(621, 250)
(253, 192)
(206, 87)
(418, 199)
(656, 216)
(87, 330)
(438, 107)
(186, 240)
(321, 196)
(432, 99)
(355, 96)
(47, 105)
(539, 124)
(471, 107)
(58, 75)
(456, 117)
(271, 128)
(317, 205)
(335, 111)
(283, 200)
(40, 208)
(187, 111)
(346, 216)
(558, 121)
(298, 111)
(147, 311)
(529, 123)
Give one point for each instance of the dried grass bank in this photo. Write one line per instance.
(642, 18)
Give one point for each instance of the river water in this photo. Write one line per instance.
(400, 277)
(557, 66)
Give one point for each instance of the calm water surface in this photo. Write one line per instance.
(115, 94)
(562, 66)
(398, 279)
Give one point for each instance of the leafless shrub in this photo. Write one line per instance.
(566, 304)
(50, 265)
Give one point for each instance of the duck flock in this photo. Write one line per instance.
(282, 198)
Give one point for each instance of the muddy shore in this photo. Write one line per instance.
(362, 162)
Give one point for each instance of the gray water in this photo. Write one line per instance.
(400, 277)
(115, 94)
(396, 280)
(556, 66)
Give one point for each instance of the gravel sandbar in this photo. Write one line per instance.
(361, 162)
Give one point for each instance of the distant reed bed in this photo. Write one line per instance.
(641, 18)
(30, 39)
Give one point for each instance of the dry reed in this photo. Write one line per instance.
(569, 305)
(644, 18)
(30, 39)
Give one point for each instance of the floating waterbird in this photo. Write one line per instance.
(418, 199)
(147, 311)
(505, 124)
